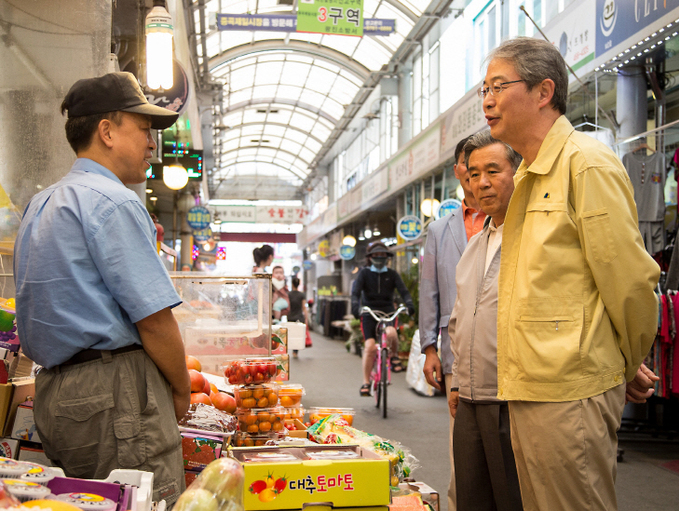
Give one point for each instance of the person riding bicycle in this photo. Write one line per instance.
(374, 287)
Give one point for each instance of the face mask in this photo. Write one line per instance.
(278, 283)
(379, 262)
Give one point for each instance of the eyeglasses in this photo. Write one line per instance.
(494, 89)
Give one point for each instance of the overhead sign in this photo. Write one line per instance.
(339, 17)
(409, 227)
(177, 97)
(323, 248)
(198, 218)
(617, 20)
(288, 23)
(190, 159)
(447, 207)
(347, 252)
(307, 265)
(202, 235)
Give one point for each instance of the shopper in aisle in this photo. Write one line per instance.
(485, 470)
(94, 299)
(298, 310)
(446, 240)
(576, 308)
(281, 298)
(374, 287)
(263, 257)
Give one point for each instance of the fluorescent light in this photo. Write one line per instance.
(159, 47)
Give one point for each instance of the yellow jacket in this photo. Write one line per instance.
(577, 311)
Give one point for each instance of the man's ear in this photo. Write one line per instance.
(546, 92)
(104, 132)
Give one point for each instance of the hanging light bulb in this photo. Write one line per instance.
(429, 207)
(349, 240)
(376, 231)
(159, 47)
(175, 176)
(367, 233)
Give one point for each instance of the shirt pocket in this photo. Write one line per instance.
(599, 235)
(548, 343)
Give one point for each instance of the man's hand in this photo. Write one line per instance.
(453, 400)
(181, 403)
(641, 387)
(432, 368)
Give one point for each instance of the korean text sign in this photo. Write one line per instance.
(340, 17)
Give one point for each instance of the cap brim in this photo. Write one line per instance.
(161, 118)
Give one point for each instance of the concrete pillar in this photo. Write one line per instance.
(405, 101)
(631, 101)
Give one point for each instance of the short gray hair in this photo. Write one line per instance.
(484, 139)
(536, 60)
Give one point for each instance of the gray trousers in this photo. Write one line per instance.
(485, 472)
(114, 413)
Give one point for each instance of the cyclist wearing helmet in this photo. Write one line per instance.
(374, 287)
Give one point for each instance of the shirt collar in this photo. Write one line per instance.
(87, 165)
(381, 270)
(465, 208)
(549, 149)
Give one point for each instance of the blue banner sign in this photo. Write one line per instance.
(617, 20)
(346, 252)
(198, 218)
(288, 23)
(202, 236)
(447, 206)
(409, 227)
(307, 265)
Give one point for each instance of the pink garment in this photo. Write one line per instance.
(674, 361)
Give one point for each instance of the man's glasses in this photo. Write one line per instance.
(494, 89)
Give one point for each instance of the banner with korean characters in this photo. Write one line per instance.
(198, 218)
(574, 35)
(288, 23)
(281, 214)
(409, 227)
(465, 119)
(422, 157)
(338, 17)
(374, 185)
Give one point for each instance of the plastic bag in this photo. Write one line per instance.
(414, 375)
(335, 430)
(219, 487)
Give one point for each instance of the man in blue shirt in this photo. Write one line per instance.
(94, 300)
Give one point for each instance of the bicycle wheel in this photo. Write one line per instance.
(375, 378)
(384, 380)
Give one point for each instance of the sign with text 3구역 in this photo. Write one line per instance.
(409, 227)
(339, 17)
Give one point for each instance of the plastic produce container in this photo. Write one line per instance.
(262, 395)
(317, 413)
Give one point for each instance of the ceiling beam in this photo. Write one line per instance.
(280, 125)
(281, 101)
(330, 55)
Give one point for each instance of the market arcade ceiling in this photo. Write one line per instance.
(284, 92)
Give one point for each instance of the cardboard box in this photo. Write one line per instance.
(429, 495)
(362, 480)
(21, 390)
(198, 452)
(24, 424)
(190, 476)
(34, 455)
(6, 390)
(9, 448)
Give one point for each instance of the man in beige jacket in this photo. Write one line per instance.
(577, 312)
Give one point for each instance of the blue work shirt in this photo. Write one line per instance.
(86, 267)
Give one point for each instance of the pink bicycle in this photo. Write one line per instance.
(380, 376)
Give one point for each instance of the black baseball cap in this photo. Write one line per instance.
(114, 92)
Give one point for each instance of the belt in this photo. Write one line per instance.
(89, 355)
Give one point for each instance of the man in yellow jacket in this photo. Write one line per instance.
(577, 312)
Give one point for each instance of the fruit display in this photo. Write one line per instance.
(219, 487)
(290, 395)
(198, 452)
(263, 395)
(247, 440)
(293, 413)
(260, 420)
(317, 413)
(208, 418)
(251, 370)
(204, 392)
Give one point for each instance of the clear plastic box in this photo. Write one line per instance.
(262, 395)
(261, 420)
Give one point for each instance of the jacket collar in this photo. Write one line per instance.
(549, 149)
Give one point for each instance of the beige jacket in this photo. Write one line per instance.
(577, 312)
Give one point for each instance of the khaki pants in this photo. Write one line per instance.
(114, 413)
(452, 497)
(566, 453)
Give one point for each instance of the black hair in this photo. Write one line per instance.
(81, 129)
(295, 282)
(459, 148)
(261, 254)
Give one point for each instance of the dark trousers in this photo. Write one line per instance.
(485, 471)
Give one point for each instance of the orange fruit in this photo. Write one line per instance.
(262, 403)
(273, 399)
(265, 427)
(250, 419)
(193, 363)
(258, 393)
(199, 397)
(253, 428)
(286, 401)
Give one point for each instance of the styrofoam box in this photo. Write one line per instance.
(296, 335)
